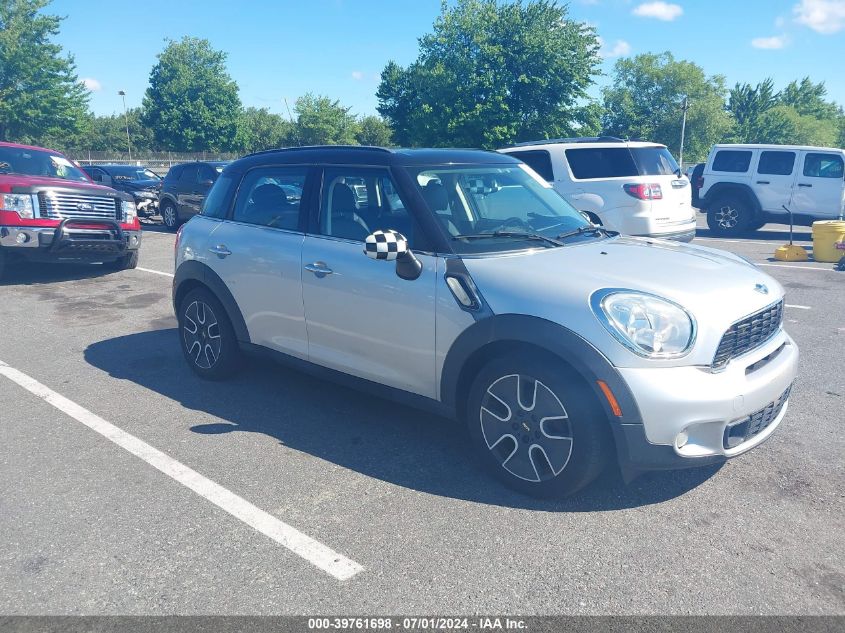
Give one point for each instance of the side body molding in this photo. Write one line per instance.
(195, 271)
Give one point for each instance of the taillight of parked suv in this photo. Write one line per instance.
(644, 192)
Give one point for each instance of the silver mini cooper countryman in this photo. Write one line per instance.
(459, 281)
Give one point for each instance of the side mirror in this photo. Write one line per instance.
(391, 246)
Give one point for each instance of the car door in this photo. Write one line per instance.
(256, 251)
(362, 319)
(774, 179)
(185, 187)
(820, 184)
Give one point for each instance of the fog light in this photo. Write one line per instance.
(133, 240)
(22, 238)
(682, 439)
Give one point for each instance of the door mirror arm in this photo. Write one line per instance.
(408, 267)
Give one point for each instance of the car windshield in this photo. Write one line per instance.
(33, 162)
(132, 173)
(498, 208)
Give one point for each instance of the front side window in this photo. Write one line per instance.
(206, 173)
(270, 196)
(818, 165)
(776, 163)
(357, 201)
(733, 161)
(488, 208)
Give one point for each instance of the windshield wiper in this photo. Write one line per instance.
(592, 228)
(508, 234)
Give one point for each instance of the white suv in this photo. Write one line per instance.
(745, 186)
(631, 187)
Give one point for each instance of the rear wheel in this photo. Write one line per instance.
(729, 215)
(536, 427)
(206, 335)
(169, 215)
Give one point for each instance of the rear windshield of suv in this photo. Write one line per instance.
(620, 162)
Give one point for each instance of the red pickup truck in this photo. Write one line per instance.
(51, 211)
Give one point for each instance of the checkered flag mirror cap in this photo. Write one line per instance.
(388, 245)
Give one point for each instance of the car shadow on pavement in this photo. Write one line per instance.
(32, 273)
(366, 434)
(799, 235)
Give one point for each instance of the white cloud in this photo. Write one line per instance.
(659, 10)
(92, 84)
(823, 16)
(357, 75)
(770, 43)
(620, 48)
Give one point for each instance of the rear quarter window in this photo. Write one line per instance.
(601, 162)
(734, 161)
(219, 199)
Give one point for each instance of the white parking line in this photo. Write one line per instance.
(155, 272)
(301, 544)
(719, 239)
(791, 267)
(797, 307)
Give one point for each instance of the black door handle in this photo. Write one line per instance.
(763, 182)
(804, 184)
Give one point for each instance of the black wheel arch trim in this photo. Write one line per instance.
(551, 337)
(194, 271)
(726, 188)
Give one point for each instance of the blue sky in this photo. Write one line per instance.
(283, 48)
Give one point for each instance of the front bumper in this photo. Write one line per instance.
(71, 240)
(685, 235)
(693, 416)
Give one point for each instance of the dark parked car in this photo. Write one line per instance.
(184, 189)
(139, 182)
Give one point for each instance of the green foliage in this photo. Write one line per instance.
(373, 130)
(260, 129)
(108, 133)
(41, 99)
(321, 121)
(192, 103)
(494, 73)
(645, 101)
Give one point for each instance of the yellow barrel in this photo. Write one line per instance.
(828, 240)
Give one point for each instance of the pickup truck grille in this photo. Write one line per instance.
(748, 334)
(58, 206)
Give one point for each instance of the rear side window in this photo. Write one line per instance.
(729, 160)
(776, 163)
(601, 162)
(823, 166)
(189, 174)
(219, 199)
(271, 196)
(539, 161)
(206, 172)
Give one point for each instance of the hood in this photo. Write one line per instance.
(715, 287)
(20, 180)
(136, 185)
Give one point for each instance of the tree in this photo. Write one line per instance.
(490, 74)
(108, 133)
(192, 103)
(747, 104)
(260, 129)
(808, 99)
(321, 121)
(645, 99)
(373, 130)
(41, 99)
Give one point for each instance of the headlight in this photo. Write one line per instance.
(646, 324)
(143, 194)
(130, 211)
(24, 204)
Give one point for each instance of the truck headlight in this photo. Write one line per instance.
(24, 204)
(646, 324)
(130, 211)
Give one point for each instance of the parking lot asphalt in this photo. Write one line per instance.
(90, 527)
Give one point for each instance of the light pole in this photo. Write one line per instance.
(126, 118)
(684, 107)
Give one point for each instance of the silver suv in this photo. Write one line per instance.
(459, 281)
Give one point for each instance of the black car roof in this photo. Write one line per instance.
(364, 155)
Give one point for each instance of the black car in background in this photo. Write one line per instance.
(141, 183)
(184, 189)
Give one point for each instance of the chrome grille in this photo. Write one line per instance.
(58, 206)
(743, 430)
(748, 334)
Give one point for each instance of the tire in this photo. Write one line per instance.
(206, 336)
(127, 262)
(563, 422)
(729, 215)
(170, 215)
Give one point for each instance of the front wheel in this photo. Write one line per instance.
(536, 426)
(206, 336)
(169, 215)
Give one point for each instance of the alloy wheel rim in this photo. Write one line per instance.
(169, 216)
(727, 217)
(202, 335)
(526, 428)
